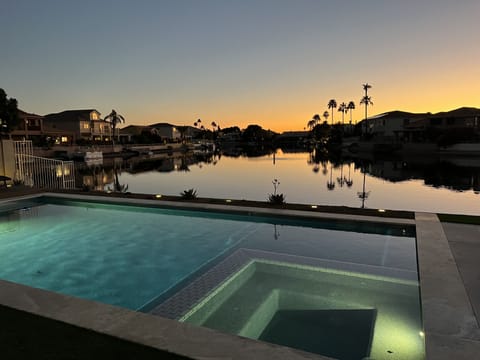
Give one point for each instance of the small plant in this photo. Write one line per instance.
(189, 194)
(275, 198)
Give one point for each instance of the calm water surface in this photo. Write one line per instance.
(431, 185)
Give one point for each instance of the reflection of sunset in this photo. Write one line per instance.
(303, 181)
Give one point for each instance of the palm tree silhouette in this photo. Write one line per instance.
(343, 108)
(332, 104)
(113, 119)
(366, 100)
(350, 107)
(313, 122)
(326, 114)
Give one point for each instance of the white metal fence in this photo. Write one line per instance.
(42, 172)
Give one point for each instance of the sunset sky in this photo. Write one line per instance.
(269, 62)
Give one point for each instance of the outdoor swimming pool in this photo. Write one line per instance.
(353, 285)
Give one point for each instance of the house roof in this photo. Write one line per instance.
(460, 112)
(24, 114)
(133, 129)
(71, 115)
(396, 114)
(162, 125)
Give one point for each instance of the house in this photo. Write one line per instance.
(401, 126)
(389, 126)
(132, 133)
(29, 126)
(82, 124)
(167, 131)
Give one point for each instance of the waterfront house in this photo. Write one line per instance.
(167, 131)
(400, 126)
(29, 126)
(389, 126)
(83, 124)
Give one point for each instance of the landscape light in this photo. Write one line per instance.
(158, 196)
(228, 200)
(381, 210)
(314, 206)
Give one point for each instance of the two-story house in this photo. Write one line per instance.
(83, 124)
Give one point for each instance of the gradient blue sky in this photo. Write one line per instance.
(269, 62)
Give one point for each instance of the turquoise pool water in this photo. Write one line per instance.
(269, 271)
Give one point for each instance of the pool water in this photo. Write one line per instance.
(345, 290)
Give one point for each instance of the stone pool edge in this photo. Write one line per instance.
(450, 325)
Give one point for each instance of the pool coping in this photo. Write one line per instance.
(451, 328)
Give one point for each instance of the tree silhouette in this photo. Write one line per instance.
(343, 108)
(326, 114)
(113, 119)
(313, 122)
(366, 100)
(350, 107)
(8, 113)
(332, 104)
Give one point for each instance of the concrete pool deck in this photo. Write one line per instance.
(450, 287)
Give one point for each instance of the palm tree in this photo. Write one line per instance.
(313, 122)
(350, 107)
(113, 119)
(332, 104)
(343, 109)
(366, 100)
(326, 114)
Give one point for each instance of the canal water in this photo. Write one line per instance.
(432, 184)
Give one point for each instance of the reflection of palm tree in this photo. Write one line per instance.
(364, 194)
(349, 181)
(276, 234)
(331, 183)
(341, 180)
(117, 187)
(332, 104)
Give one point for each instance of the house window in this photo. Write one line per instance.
(86, 125)
(94, 116)
(64, 139)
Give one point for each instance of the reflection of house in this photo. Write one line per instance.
(82, 124)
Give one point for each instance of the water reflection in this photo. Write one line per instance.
(452, 184)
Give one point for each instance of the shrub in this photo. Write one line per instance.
(276, 199)
(189, 194)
